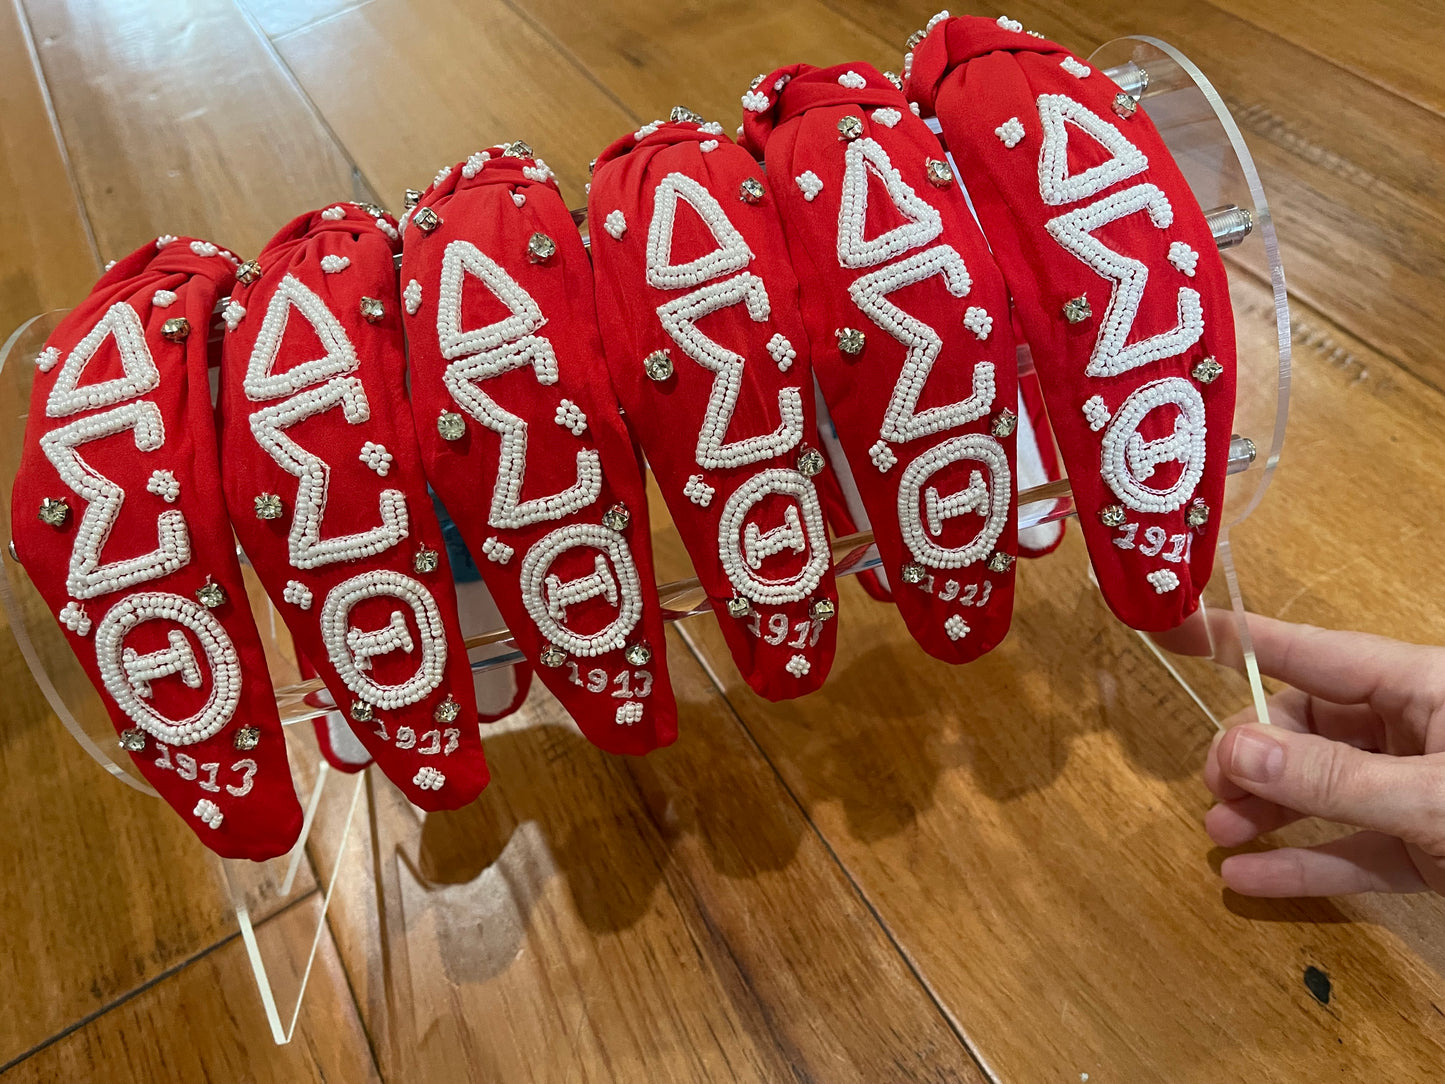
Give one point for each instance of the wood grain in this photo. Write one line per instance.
(614, 919)
(204, 1023)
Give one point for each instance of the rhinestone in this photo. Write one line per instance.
(53, 512)
(1005, 423)
(850, 127)
(133, 739)
(15, 556)
(1208, 371)
(811, 462)
(516, 149)
(939, 175)
(451, 426)
(1197, 514)
(248, 272)
(657, 365)
(426, 219)
(591, 167)
(362, 712)
(751, 190)
(738, 606)
(176, 329)
(756, 81)
(1113, 515)
(411, 198)
(616, 518)
(370, 208)
(372, 309)
(913, 572)
(1124, 104)
(1000, 562)
(447, 710)
(540, 247)
(268, 506)
(850, 340)
(211, 595)
(426, 560)
(553, 656)
(246, 738)
(892, 77)
(682, 114)
(822, 609)
(638, 654)
(1077, 309)
(915, 39)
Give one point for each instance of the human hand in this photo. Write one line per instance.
(1359, 739)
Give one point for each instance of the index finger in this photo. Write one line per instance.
(1342, 667)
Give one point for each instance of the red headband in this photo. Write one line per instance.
(698, 308)
(322, 476)
(1119, 287)
(523, 442)
(912, 344)
(117, 524)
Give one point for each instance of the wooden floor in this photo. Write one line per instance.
(919, 873)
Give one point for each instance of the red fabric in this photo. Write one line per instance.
(1033, 199)
(927, 410)
(381, 631)
(511, 346)
(749, 517)
(173, 662)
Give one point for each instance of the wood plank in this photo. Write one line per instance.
(279, 17)
(601, 918)
(1369, 39)
(205, 1022)
(178, 120)
(1028, 827)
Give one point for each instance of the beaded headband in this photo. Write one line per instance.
(698, 307)
(1119, 288)
(912, 344)
(117, 524)
(323, 480)
(523, 442)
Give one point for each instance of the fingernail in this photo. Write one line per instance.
(1256, 757)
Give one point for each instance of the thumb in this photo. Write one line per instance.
(1402, 796)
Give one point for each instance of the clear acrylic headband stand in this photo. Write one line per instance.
(1204, 139)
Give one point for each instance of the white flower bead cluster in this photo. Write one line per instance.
(978, 321)
(1163, 580)
(428, 778)
(1010, 132)
(798, 666)
(473, 165)
(1075, 67)
(615, 224)
(209, 813)
(810, 184)
(233, 314)
(956, 627)
(539, 171)
(334, 214)
(629, 713)
(1183, 257)
(332, 264)
(755, 101)
(571, 417)
(411, 297)
(47, 359)
(883, 457)
(163, 299)
(888, 117)
(298, 594)
(494, 549)
(376, 457)
(852, 80)
(164, 485)
(72, 615)
(698, 491)
(781, 351)
(1095, 412)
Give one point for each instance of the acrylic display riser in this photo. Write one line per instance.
(1196, 126)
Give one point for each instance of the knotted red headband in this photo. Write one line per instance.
(912, 342)
(523, 442)
(323, 479)
(1119, 288)
(117, 524)
(698, 308)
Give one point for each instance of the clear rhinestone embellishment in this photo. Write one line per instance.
(248, 272)
(638, 654)
(451, 426)
(892, 77)
(1197, 514)
(657, 365)
(811, 462)
(751, 190)
(176, 329)
(681, 113)
(447, 711)
(738, 606)
(616, 518)
(1077, 309)
(913, 572)
(850, 340)
(268, 506)
(210, 595)
(372, 309)
(1000, 562)
(517, 149)
(1113, 515)
(1005, 423)
(1124, 104)
(850, 127)
(411, 198)
(939, 175)
(133, 739)
(426, 219)
(553, 656)
(362, 712)
(52, 512)
(1207, 371)
(540, 248)
(426, 560)
(823, 609)
(246, 738)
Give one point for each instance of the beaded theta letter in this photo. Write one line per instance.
(912, 345)
(118, 523)
(1119, 289)
(323, 478)
(523, 442)
(699, 313)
